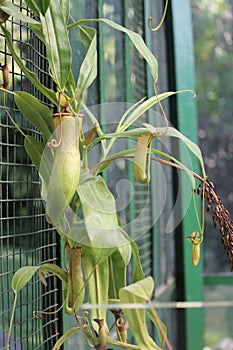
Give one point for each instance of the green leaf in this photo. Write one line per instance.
(138, 273)
(95, 122)
(42, 5)
(31, 5)
(14, 11)
(22, 276)
(102, 165)
(70, 85)
(57, 43)
(34, 149)
(35, 112)
(30, 75)
(56, 270)
(65, 7)
(3, 15)
(162, 331)
(97, 279)
(87, 34)
(172, 132)
(37, 29)
(42, 158)
(100, 216)
(88, 69)
(136, 40)
(141, 293)
(143, 107)
(117, 274)
(65, 336)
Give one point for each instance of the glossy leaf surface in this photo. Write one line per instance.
(57, 43)
(30, 75)
(42, 5)
(88, 69)
(35, 112)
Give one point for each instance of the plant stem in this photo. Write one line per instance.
(123, 345)
(11, 323)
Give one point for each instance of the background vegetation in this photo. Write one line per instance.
(213, 37)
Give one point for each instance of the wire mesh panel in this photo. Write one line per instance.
(25, 237)
(142, 203)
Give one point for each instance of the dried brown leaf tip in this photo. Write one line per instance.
(221, 218)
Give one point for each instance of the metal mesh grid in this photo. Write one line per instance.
(25, 237)
(139, 90)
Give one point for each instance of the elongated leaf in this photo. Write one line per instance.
(42, 158)
(42, 5)
(95, 122)
(162, 331)
(87, 34)
(34, 149)
(136, 40)
(99, 211)
(57, 43)
(70, 85)
(139, 292)
(37, 29)
(33, 8)
(65, 7)
(30, 75)
(22, 276)
(56, 270)
(158, 132)
(128, 112)
(145, 106)
(35, 112)
(102, 165)
(70, 332)
(172, 132)
(14, 11)
(88, 69)
(97, 276)
(117, 274)
(138, 273)
(65, 336)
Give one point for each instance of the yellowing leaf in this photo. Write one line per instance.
(22, 276)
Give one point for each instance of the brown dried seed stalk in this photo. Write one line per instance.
(220, 217)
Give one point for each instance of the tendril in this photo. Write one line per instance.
(56, 143)
(150, 19)
(162, 109)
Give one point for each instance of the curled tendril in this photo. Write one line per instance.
(150, 19)
(56, 143)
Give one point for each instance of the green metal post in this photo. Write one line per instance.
(187, 124)
(153, 189)
(129, 100)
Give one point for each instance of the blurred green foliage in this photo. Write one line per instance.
(213, 39)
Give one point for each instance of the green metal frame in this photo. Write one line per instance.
(187, 124)
(189, 279)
